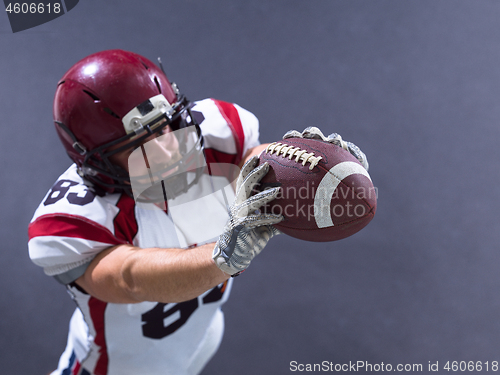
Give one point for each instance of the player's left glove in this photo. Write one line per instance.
(314, 133)
(248, 230)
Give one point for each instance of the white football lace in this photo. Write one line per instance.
(313, 132)
(284, 150)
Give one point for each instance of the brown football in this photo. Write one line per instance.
(326, 194)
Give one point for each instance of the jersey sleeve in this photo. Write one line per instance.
(70, 227)
(228, 129)
(61, 243)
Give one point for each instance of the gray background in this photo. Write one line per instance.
(416, 84)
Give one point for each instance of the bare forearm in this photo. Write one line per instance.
(172, 275)
(153, 274)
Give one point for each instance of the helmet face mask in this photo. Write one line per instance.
(113, 101)
(166, 166)
(98, 162)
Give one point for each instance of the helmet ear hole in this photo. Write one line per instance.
(96, 99)
(107, 110)
(157, 84)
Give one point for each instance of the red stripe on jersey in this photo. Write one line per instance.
(222, 164)
(97, 309)
(125, 222)
(64, 225)
(230, 114)
(76, 369)
(216, 156)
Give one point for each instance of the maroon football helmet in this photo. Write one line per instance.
(110, 97)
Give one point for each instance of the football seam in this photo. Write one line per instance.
(296, 166)
(284, 150)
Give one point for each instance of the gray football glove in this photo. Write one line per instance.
(314, 133)
(248, 230)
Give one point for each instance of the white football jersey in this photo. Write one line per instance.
(72, 225)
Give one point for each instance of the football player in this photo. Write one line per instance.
(143, 228)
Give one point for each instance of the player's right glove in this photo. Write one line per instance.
(248, 230)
